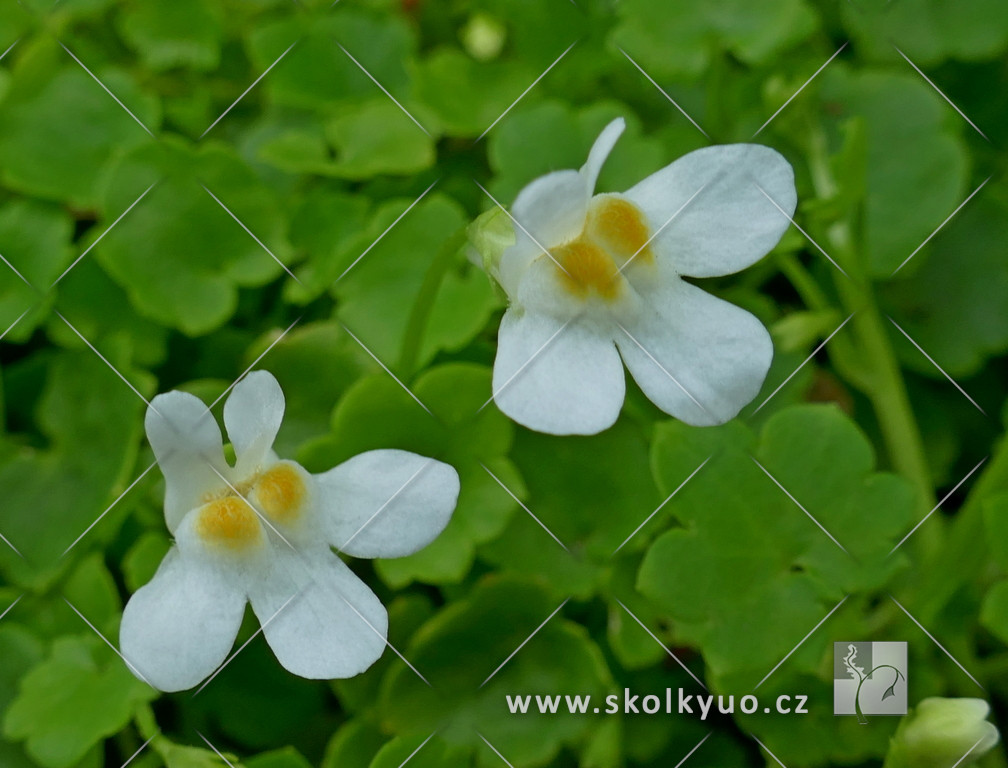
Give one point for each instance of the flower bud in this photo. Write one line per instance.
(488, 237)
(941, 733)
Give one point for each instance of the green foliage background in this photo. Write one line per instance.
(123, 226)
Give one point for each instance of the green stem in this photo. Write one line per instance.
(871, 364)
(416, 325)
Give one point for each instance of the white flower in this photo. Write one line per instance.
(260, 532)
(593, 277)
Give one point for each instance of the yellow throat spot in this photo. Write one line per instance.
(281, 492)
(229, 521)
(615, 232)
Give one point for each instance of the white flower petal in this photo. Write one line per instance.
(252, 414)
(321, 621)
(386, 503)
(178, 628)
(730, 224)
(550, 210)
(187, 444)
(600, 151)
(556, 379)
(699, 349)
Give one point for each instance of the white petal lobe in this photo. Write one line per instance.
(730, 223)
(321, 621)
(562, 380)
(252, 414)
(386, 503)
(600, 151)
(178, 628)
(187, 444)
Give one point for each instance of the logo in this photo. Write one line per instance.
(869, 679)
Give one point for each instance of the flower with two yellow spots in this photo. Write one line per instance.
(262, 532)
(593, 278)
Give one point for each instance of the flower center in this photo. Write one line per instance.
(281, 492)
(230, 522)
(615, 233)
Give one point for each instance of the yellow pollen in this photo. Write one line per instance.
(614, 232)
(229, 521)
(620, 227)
(280, 492)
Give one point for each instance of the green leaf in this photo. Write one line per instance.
(376, 414)
(92, 424)
(21, 650)
(34, 240)
(994, 610)
(904, 120)
(377, 138)
(92, 591)
(460, 648)
(572, 482)
(354, 745)
(143, 558)
(42, 153)
(929, 31)
(377, 296)
(433, 753)
(288, 757)
(955, 302)
(173, 33)
(674, 40)
(745, 547)
(179, 254)
(55, 711)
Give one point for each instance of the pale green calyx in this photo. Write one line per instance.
(489, 236)
(941, 733)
